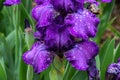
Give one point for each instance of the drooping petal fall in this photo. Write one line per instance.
(80, 55)
(38, 57)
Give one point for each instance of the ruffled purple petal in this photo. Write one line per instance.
(11, 2)
(90, 49)
(63, 5)
(43, 14)
(38, 57)
(42, 61)
(93, 72)
(114, 69)
(80, 55)
(113, 72)
(39, 2)
(106, 1)
(38, 35)
(58, 38)
(82, 24)
(78, 5)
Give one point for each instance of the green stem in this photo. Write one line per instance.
(29, 73)
(16, 26)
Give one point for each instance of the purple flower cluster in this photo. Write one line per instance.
(63, 29)
(113, 71)
(11, 2)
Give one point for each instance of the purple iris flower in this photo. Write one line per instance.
(63, 29)
(40, 57)
(11, 2)
(113, 71)
(82, 24)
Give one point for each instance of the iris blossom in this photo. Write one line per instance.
(63, 29)
(113, 71)
(11, 2)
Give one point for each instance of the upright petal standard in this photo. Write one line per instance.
(82, 24)
(11, 2)
(43, 14)
(63, 5)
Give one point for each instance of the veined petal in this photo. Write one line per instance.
(42, 61)
(41, 1)
(38, 35)
(58, 38)
(38, 57)
(114, 69)
(43, 14)
(90, 49)
(63, 5)
(11, 2)
(82, 24)
(80, 55)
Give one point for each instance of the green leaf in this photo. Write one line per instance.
(103, 50)
(55, 75)
(104, 19)
(57, 69)
(1, 4)
(69, 72)
(98, 62)
(29, 39)
(7, 56)
(29, 73)
(107, 58)
(25, 14)
(10, 39)
(117, 53)
(80, 75)
(3, 75)
(117, 33)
